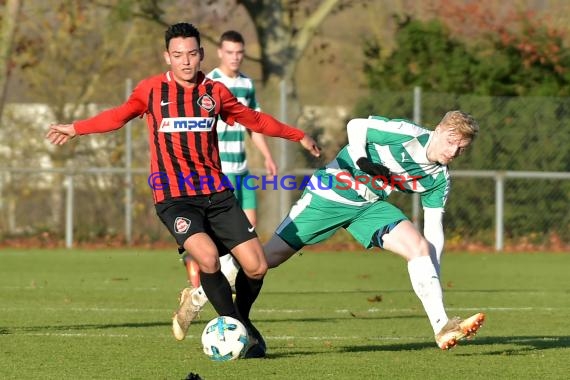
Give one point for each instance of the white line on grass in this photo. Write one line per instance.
(271, 338)
(125, 287)
(90, 309)
(281, 311)
(190, 337)
(76, 335)
(90, 288)
(412, 310)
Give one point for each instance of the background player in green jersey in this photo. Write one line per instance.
(351, 192)
(231, 139)
(231, 143)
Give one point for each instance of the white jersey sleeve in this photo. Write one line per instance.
(433, 232)
(356, 131)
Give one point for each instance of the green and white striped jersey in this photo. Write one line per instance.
(399, 145)
(231, 139)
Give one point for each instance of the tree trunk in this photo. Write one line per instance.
(9, 22)
(282, 44)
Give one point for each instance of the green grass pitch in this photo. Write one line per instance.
(105, 314)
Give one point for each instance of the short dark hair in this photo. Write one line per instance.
(182, 29)
(232, 36)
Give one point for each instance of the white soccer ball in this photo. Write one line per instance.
(224, 338)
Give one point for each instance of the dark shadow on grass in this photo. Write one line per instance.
(341, 317)
(406, 291)
(198, 325)
(526, 345)
(354, 349)
(93, 326)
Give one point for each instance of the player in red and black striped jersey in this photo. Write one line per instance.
(193, 197)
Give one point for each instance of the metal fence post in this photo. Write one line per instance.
(69, 211)
(128, 173)
(283, 164)
(499, 210)
(417, 120)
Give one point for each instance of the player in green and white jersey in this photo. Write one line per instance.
(413, 165)
(352, 190)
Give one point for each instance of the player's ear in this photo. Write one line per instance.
(201, 54)
(166, 57)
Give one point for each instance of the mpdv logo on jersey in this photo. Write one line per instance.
(187, 124)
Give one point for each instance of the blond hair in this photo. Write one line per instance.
(462, 123)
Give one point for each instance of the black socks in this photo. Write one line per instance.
(219, 292)
(247, 290)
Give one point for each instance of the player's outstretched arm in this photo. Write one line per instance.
(311, 145)
(59, 134)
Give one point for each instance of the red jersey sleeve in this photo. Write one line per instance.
(233, 111)
(115, 118)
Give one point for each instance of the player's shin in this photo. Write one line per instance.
(427, 287)
(219, 292)
(247, 290)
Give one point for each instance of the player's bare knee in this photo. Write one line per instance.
(258, 276)
(424, 247)
(257, 272)
(261, 270)
(406, 241)
(421, 248)
(209, 263)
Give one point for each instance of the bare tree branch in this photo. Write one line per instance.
(307, 32)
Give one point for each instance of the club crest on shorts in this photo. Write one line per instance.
(181, 225)
(206, 102)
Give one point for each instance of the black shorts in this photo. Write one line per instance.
(219, 215)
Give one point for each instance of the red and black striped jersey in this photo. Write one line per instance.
(182, 131)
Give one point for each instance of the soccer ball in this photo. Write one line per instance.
(224, 338)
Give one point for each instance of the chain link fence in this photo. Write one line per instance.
(511, 190)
